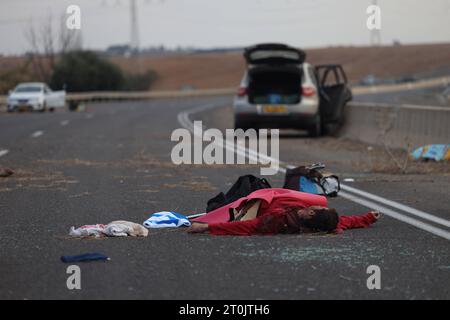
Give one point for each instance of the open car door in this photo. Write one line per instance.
(334, 93)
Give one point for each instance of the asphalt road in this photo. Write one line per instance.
(113, 162)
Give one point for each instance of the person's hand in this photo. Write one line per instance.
(198, 228)
(376, 214)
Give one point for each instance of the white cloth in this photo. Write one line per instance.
(95, 230)
(117, 230)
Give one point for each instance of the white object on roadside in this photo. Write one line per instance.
(95, 230)
(117, 230)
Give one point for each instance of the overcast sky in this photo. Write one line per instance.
(226, 23)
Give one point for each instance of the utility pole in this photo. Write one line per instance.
(134, 28)
(375, 34)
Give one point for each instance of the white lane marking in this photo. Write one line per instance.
(89, 116)
(183, 119)
(393, 214)
(37, 134)
(399, 206)
(3, 152)
(64, 123)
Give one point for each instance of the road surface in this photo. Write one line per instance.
(113, 162)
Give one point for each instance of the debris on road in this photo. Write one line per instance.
(85, 257)
(95, 230)
(5, 172)
(309, 179)
(123, 228)
(436, 152)
(119, 228)
(166, 219)
(241, 188)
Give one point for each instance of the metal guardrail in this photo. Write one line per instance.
(422, 84)
(138, 95)
(141, 95)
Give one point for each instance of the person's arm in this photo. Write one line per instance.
(235, 228)
(362, 221)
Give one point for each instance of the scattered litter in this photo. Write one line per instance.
(81, 107)
(95, 230)
(5, 172)
(119, 228)
(123, 228)
(85, 257)
(166, 219)
(310, 179)
(349, 180)
(436, 152)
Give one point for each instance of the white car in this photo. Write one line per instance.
(280, 90)
(35, 96)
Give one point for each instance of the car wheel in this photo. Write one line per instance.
(316, 128)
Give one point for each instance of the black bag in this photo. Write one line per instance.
(241, 188)
(309, 179)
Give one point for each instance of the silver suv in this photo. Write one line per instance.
(280, 90)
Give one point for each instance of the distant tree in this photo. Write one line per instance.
(86, 71)
(48, 43)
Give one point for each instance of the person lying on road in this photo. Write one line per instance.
(292, 220)
(279, 211)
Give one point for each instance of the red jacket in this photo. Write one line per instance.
(271, 218)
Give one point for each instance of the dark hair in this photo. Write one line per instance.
(323, 220)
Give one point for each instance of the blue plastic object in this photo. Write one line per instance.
(85, 257)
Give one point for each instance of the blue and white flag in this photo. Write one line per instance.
(166, 219)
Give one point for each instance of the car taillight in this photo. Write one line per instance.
(308, 91)
(242, 91)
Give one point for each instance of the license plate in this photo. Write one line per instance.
(274, 108)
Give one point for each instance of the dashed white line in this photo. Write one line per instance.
(3, 152)
(89, 116)
(37, 134)
(64, 123)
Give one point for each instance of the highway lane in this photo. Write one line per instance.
(116, 164)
